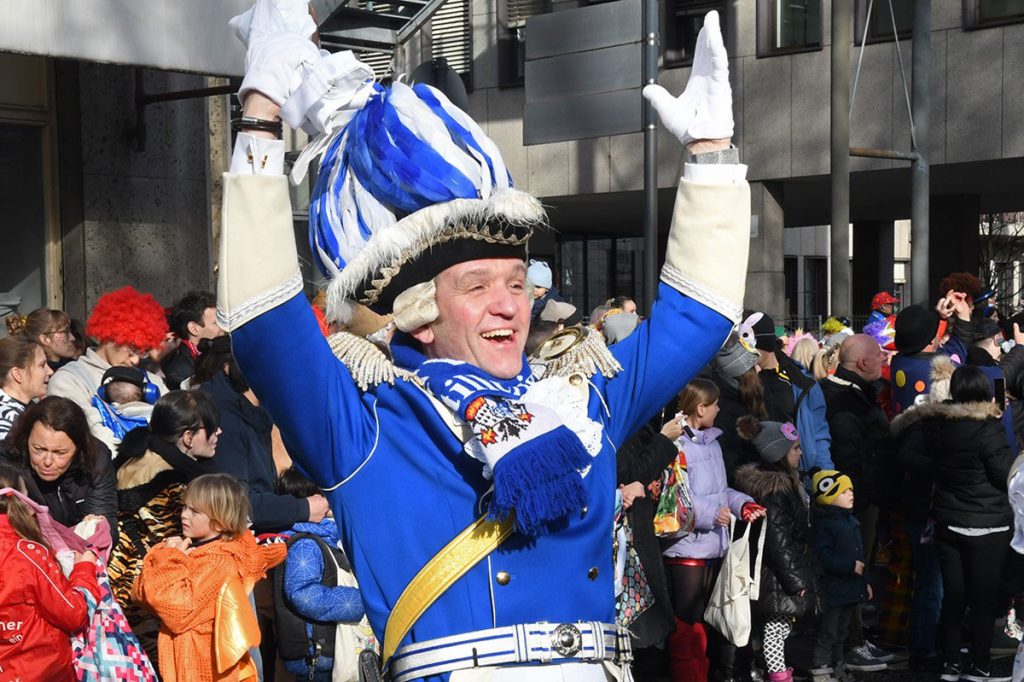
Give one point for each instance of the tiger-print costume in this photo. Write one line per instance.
(148, 511)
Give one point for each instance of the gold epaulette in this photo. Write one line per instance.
(576, 350)
(368, 363)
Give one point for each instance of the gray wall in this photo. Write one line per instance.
(781, 106)
(129, 216)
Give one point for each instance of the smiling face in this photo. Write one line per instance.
(50, 452)
(483, 316)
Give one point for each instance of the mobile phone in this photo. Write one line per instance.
(1000, 386)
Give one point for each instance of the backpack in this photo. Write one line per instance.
(289, 626)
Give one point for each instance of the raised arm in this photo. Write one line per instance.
(701, 294)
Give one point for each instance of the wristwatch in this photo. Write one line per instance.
(730, 155)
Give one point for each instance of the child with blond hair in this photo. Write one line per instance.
(199, 585)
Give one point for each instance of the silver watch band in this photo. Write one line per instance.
(730, 155)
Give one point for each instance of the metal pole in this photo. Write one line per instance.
(650, 75)
(921, 108)
(842, 32)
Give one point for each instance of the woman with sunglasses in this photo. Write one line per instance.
(51, 329)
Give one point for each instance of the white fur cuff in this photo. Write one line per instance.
(258, 262)
(708, 245)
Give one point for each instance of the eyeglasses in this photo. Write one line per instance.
(65, 331)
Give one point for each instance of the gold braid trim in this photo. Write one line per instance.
(369, 364)
(576, 350)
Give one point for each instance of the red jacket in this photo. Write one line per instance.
(39, 608)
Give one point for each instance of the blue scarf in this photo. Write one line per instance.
(534, 458)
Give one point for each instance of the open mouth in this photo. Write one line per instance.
(500, 336)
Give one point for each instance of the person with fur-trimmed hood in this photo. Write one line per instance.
(448, 431)
(127, 324)
(960, 445)
(788, 587)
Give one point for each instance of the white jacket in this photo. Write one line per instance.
(79, 380)
(1015, 485)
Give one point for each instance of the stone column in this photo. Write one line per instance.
(765, 278)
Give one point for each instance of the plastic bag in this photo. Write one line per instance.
(674, 516)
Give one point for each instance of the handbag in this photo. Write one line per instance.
(636, 595)
(107, 650)
(350, 639)
(674, 516)
(728, 609)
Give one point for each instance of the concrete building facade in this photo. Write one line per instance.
(781, 109)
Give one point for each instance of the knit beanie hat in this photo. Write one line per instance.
(916, 327)
(773, 440)
(539, 274)
(828, 484)
(757, 330)
(618, 326)
(733, 360)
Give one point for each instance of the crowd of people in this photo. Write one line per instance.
(509, 516)
(815, 438)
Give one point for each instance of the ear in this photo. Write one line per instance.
(18, 374)
(424, 334)
(193, 328)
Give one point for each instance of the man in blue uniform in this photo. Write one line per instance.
(474, 492)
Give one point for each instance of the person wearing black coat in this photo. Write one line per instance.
(788, 579)
(642, 459)
(962, 446)
(840, 554)
(74, 475)
(245, 449)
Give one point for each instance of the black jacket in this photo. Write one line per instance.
(642, 458)
(788, 566)
(244, 451)
(78, 492)
(959, 449)
(861, 445)
(838, 546)
(177, 367)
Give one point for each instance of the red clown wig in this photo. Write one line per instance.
(128, 317)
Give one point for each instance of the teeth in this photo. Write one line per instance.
(497, 333)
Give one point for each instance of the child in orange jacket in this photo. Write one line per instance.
(199, 585)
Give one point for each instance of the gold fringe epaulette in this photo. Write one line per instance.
(369, 364)
(576, 350)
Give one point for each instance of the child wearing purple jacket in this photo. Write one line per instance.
(693, 561)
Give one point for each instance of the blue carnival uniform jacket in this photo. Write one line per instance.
(401, 486)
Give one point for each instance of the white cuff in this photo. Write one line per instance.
(715, 173)
(257, 156)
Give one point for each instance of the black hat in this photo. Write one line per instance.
(916, 327)
(757, 330)
(132, 375)
(986, 328)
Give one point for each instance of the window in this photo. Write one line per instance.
(787, 26)
(451, 34)
(681, 22)
(512, 16)
(880, 22)
(592, 270)
(790, 273)
(985, 13)
(815, 287)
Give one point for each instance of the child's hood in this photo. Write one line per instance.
(327, 530)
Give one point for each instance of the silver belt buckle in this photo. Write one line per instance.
(567, 640)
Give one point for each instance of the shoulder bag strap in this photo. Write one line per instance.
(755, 587)
(465, 551)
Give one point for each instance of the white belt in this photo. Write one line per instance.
(530, 643)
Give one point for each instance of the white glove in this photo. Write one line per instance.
(704, 110)
(309, 84)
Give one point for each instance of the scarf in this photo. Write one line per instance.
(535, 460)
